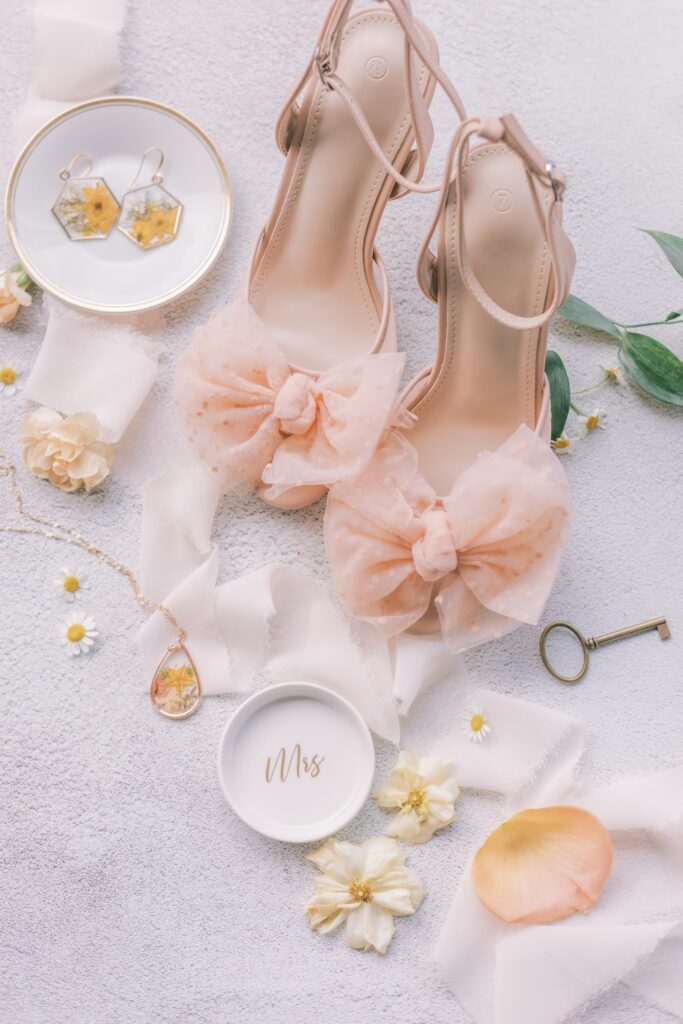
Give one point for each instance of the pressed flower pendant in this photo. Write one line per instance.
(150, 216)
(86, 208)
(176, 691)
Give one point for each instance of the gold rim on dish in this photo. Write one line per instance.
(159, 300)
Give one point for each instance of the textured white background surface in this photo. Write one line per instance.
(130, 893)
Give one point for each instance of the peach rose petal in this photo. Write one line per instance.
(542, 865)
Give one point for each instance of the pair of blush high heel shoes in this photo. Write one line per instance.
(447, 508)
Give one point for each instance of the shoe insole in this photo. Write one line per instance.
(487, 377)
(314, 284)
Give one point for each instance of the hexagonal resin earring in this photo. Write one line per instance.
(86, 207)
(150, 215)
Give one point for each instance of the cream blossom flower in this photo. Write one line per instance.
(66, 451)
(9, 381)
(78, 633)
(424, 790)
(365, 887)
(71, 583)
(13, 294)
(592, 421)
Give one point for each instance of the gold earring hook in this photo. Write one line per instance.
(156, 178)
(65, 173)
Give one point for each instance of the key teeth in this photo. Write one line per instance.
(664, 631)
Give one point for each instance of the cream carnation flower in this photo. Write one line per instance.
(424, 790)
(67, 452)
(13, 294)
(365, 886)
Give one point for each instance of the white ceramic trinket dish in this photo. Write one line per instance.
(296, 762)
(111, 274)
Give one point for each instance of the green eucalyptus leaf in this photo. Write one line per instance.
(560, 393)
(579, 312)
(653, 367)
(671, 246)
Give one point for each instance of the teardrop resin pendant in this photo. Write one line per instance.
(176, 691)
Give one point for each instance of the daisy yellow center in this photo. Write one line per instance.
(477, 723)
(75, 632)
(360, 892)
(7, 375)
(415, 801)
(562, 442)
(71, 584)
(592, 422)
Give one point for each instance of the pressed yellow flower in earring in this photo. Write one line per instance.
(78, 633)
(71, 583)
(424, 791)
(476, 725)
(99, 209)
(9, 383)
(543, 864)
(364, 887)
(156, 224)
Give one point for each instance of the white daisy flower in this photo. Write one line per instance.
(78, 633)
(613, 374)
(424, 791)
(564, 444)
(476, 725)
(71, 583)
(364, 887)
(593, 421)
(9, 381)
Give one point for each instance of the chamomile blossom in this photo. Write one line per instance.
(613, 374)
(70, 583)
(476, 724)
(593, 421)
(78, 633)
(564, 444)
(9, 381)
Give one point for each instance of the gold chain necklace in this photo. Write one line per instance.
(176, 690)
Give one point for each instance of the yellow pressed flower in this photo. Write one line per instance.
(157, 225)
(99, 209)
(7, 375)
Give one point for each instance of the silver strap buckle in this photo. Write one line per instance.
(323, 67)
(557, 188)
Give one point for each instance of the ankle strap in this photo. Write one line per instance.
(324, 64)
(508, 131)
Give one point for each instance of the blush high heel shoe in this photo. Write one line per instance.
(458, 524)
(290, 388)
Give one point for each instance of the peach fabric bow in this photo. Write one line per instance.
(253, 419)
(487, 553)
